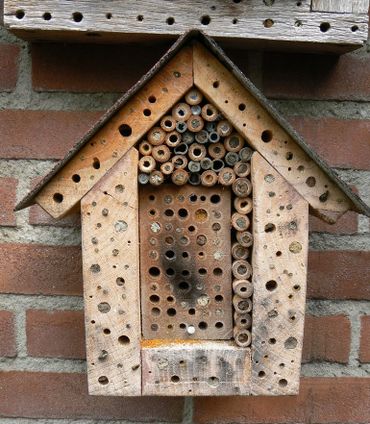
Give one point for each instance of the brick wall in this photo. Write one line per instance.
(49, 95)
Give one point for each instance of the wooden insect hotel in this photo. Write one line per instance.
(194, 197)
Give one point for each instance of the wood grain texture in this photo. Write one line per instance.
(340, 6)
(108, 145)
(110, 249)
(206, 368)
(265, 135)
(136, 19)
(279, 259)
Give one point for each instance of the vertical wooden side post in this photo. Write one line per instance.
(110, 245)
(280, 231)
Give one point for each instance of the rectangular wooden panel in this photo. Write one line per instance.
(185, 261)
(110, 249)
(286, 23)
(280, 232)
(265, 135)
(340, 6)
(195, 369)
(117, 136)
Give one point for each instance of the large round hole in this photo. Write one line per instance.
(170, 254)
(76, 178)
(205, 20)
(103, 380)
(147, 112)
(58, 197)
(266, 136)
(154, 298)
(203, 325)
(215, 198)
(271, 285)
(183, 213)
(125, 130)
(124, 340)
(170, 20)
(184, 286)
(154, 271)
(175, 379)
(270, 227)
(19, 14)
(77, 16)
(171, 312)
(46, 16)
(324, 26)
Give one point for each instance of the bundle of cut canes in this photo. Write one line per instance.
(196, 145)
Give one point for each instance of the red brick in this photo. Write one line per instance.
(341, 143)
(305, 76)
(91, 68)
(38, 134)
(339, 275)
(55, 334)
(8, 194)
(37, 215)
(7, 334)
(365, 339)
(61, 395)
(327, 338)
(9, 54)
(39, 269)
(346, 224)
(320, 401)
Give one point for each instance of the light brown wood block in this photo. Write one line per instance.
(110, 248)
(265, 135)
(340, 6)
(279, 259)
(118, 135)
(206, 368)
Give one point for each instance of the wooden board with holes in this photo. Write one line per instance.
(118, 135)
(206, 368)
(257, 23)
(279, 260)
(266, 136)
(110, 246)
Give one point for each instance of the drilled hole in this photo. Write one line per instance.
(311, 181)
(202, 271)
(217, 272)
(46, 16)
(261, 374)
(268, 23)
(183, 213)
(215, 198)
(154, 298)
(125, 130)
(140, 18)
(154, 271)
(77, 16)
(19, 14)
(169, 212)
(106, 331)
(147, 112)
(242, 106)
(175, 379)
(120, 281)
(124, 340)
(269, 228)
(271, 285)
(216, 84)
(103, 380)
(170, 20)
(76, 178)
(170, 254)
(219, 298)
(205, 20)
(219, 324)
(266, 136)
(152, 99)
(156, 312)
(354, 28)
(58, 197)
(171, 312)
(283, 382)
(324, 27)
(203, 325)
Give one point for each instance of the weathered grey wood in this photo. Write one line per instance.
(197, 368)
(110, 248)
(279, 259)
(283, 22)
(340, 6)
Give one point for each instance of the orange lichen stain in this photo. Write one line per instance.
(166, 342)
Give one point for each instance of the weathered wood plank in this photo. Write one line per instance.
(280, 232)
(289, 21)
(195, 369)
(110, 246)
(340, 6)
(265, 135)
(109, 144)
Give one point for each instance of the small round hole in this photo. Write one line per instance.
(77, 16)
(205, 20)
(175, 379)
(268, 23)
(46, 16)
(171, 312)
(154, 271)
(271, 285)
(58, 197)
(242, 106)
(183, 213)
(154, 298)
(324, 26)
(354, 28)
(283, 382)
(203, 325)
(170, 20)
(152, 99)
(266, 136)
(76, 178)
(19, 14)
(215, 198)
(125, 130)
(147, 112)
(140, 18)
(216, 84)
(124, 340)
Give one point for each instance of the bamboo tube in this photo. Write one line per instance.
(234, 143)
(241, 306)
(242, 321)
(213, 137)
(161, 153)
(195, 123)
(224, 128)
(143, 178)
(216, 151)
(193, 97)
(194, 166)
(168, 123)
(147, 164)
(145, 148)
(187, 137)
(156, 136)
(206, 163)
(181, 127)
(245, 238)
(226, 176)
(194, 179)
(217, 165)
(211, 126)
(240, 222)
(181, 149)
(173, 139)
(156, 178)
(196, 110)
(241, 269)
(245, 154)
(231, 158)
(243, 338)
(243, 288)
(242, 187)
(239, 252)
(197, 152)
(179, 161)
(180, 177)
(209, 178)
(242, 169)
(167, 168)
(243, 205)
(181, 112)
(201, 137)
(209, 112)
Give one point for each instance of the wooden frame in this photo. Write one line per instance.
(324, 25)
(287, 180)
